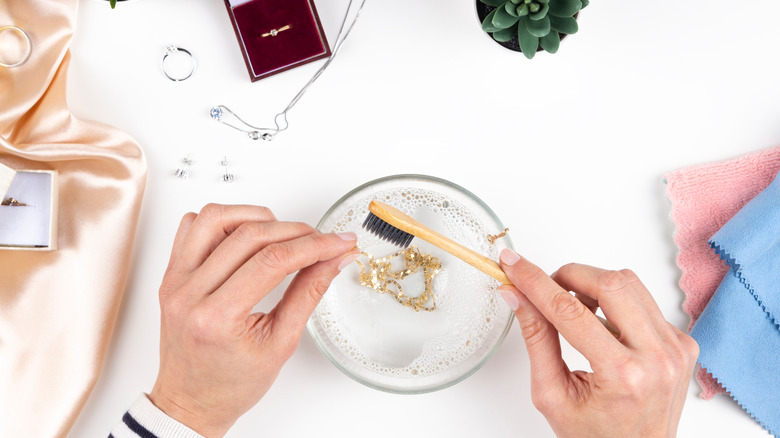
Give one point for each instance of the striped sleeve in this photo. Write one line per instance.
(145, 420)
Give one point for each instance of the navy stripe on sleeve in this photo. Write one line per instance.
(136, 426)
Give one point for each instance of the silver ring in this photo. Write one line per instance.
(170, 50)
(29, 46)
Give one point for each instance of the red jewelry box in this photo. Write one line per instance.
(277, 35)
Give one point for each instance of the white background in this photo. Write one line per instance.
(568, 149)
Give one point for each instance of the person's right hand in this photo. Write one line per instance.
(639, 381)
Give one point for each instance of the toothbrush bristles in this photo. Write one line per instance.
(387, 232)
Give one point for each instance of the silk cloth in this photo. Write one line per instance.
(58, 308)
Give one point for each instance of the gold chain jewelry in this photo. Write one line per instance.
(493, 237)
(381, 276)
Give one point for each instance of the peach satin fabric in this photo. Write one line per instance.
(57, 309)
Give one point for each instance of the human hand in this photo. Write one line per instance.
(217, 358)
(639, 381)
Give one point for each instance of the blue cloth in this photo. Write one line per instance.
(739, 331)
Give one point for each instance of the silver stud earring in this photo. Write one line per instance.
(183, 172)
(226, 175)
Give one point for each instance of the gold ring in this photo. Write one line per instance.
(275, 32)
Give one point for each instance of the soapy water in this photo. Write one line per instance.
(378, 338)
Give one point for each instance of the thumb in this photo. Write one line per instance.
(549, 372)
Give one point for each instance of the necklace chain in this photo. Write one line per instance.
(381, 277)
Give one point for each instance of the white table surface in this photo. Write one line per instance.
(568, 149)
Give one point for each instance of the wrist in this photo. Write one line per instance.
(189, 412)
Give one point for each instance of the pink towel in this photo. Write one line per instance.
(704, 198)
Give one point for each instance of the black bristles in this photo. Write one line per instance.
(387, 232)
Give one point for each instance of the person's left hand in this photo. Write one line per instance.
(217, 358)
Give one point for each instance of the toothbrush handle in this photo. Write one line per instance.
(403, 222)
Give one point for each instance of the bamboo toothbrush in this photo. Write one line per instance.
(398, 228)
(393, 225)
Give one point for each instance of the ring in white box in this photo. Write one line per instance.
(30, 223)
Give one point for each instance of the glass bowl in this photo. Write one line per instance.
(377, 341)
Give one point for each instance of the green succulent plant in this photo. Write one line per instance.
(113, 3)
(535, 23)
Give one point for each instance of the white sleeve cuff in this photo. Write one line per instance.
(146, 420)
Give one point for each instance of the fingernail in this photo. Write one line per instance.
(348, 236)
(347, 260)
(509, 257)
(510, 299)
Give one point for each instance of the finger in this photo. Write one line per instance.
(589, 302)
(240, 246)
(616, 294)
(569, 316)
(212, 225)
(303, 295)
(666, 330)
(266, 269)
(181, 233)
(689, 344)
(548, 370)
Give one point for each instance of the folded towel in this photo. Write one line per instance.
(703, 199)
(738, 332)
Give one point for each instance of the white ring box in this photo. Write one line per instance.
(32, 227)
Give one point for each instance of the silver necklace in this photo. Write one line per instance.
(223, 114)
